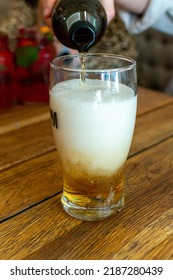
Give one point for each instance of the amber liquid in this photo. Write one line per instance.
(93, 191)
(83, 67)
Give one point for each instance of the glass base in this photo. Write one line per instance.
(91, 214)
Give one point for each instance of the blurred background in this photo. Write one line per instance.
(27, 45)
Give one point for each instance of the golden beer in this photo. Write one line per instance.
(93, 126)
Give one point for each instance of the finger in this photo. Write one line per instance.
(47, 7)
(109, 8)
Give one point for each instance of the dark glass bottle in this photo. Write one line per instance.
(79, 24)
(6, 73)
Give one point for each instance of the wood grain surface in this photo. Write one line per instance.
(33, 224)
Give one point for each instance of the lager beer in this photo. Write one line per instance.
(93, 125)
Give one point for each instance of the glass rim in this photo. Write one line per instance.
(132, 63)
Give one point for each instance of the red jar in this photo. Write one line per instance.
(26, 55)
(6, 73)
(33, 56)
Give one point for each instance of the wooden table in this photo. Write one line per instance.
(33, 224)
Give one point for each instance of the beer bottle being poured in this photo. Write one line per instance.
(79, 24)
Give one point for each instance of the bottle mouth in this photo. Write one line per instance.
(83, 36)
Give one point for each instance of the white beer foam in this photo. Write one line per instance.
(95, 123)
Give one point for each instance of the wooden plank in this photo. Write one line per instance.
(152, 128)
(149, 100)
(22, 115)
(47, 232)
(25, 143)
(28, 184)
(162, 251)
(159, 229)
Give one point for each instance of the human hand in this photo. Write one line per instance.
(107, 4)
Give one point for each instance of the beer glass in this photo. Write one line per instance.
(93, 102)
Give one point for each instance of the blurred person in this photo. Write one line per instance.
(152, 23)
(138, 16)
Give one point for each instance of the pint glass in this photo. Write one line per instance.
(93, 112)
